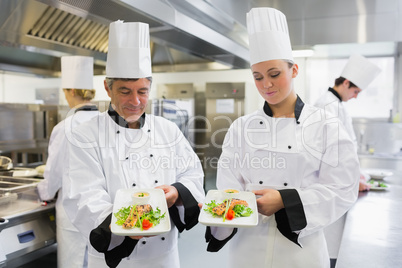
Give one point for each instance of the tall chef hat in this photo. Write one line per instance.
(77, 72)
(360, 71)
(268, 35)
(129, 55)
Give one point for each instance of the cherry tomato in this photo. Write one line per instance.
(146, 224)
(230, 214)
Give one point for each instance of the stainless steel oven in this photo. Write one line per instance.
(27, 226)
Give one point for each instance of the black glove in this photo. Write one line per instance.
(100, 239)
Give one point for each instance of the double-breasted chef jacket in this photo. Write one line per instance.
(107, 156)
(71, 244)
(311, 161)
(332, 103)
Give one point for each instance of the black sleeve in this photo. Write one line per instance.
(191, 209)
(100, 239)
(214, 245)
(292, 217)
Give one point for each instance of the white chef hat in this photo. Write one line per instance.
(129, 55)
(360, 71)
(268, 35)
(77, 72)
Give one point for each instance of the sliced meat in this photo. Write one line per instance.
(220, 210)
(131, 219)
(135, 213)
(236, 202)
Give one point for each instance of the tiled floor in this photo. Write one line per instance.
(192, 246)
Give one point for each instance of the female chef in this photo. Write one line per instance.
(77, 84)
(125, 148)
(301, 165)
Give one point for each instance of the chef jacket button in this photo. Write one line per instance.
(297, 122)
(149, 130)
(144, 242)
(118, 131)
(163, 238)
(151, 155)
(286, 184)
(261, 122)
(126, 157)
(134, 184)
(290, 147)
(260, 182)
(156, 181)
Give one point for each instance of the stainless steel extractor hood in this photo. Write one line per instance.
(186, 35)
(34, 34)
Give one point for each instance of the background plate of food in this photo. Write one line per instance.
(378, 174)
(133, 217)
(241, 212)
(378, 185)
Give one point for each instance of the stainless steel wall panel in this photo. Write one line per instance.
(176, 91)
(361, 29)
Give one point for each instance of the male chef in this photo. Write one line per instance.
(357, 74)
(124, 148)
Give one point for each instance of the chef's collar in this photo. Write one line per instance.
(298, 108)
(120, 120)
(335, 93)
(88, 107)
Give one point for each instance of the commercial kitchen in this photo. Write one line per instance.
(202, 82)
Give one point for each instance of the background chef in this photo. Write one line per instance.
(77, 84)
(106, 157)
(357, 74)
(317, 183)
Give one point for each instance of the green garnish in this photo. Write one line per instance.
(377, 184)
(228, 201)
(240, 210)
(154, 216)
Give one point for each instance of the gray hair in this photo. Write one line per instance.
(110, 81)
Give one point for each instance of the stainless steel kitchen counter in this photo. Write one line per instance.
(373, 231)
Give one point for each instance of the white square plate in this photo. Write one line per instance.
(157, 199)
(208, 219)
(375, 185)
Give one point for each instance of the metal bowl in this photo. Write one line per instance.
(5, 163)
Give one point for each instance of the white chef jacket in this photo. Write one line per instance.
(332, 103)
(108, 156)
(333, 106)
(71, 244)
(311, 161)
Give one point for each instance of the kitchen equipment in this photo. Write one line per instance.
(5, 163)
(19, 172)
(27, 229)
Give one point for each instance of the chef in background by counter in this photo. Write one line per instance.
(312, 181)
(112, 152)
(357, 74)
(77, 84)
